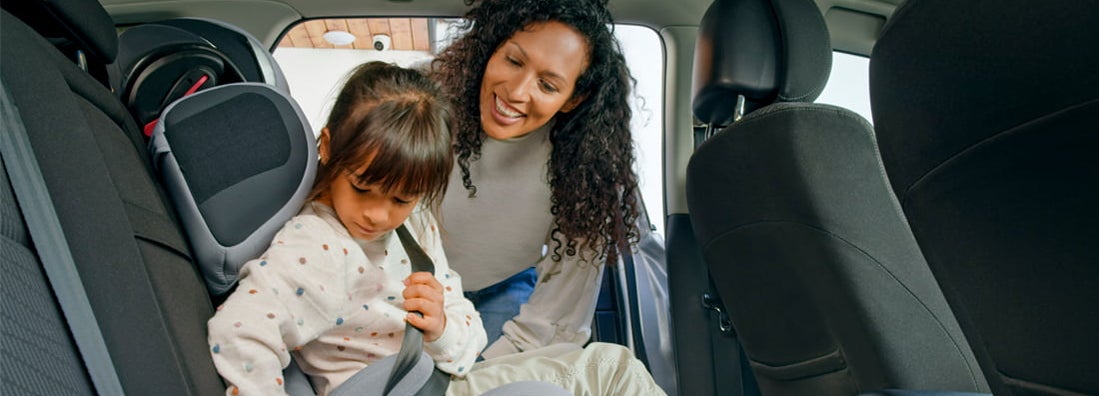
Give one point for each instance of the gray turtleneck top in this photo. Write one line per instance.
(502, 230)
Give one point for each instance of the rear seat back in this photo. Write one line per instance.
(150, 300)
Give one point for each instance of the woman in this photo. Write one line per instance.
(545, 174)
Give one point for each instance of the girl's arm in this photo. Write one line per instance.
(463, 336)
(252, 334)
(559, 310)
(247, 347)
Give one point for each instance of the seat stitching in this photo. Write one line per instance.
(867, 255)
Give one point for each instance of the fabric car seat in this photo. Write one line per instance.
(805, 242)
(223, 132)
(150, 302)
(986, 115)
(238, 161)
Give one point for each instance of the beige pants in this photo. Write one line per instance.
(600, 369)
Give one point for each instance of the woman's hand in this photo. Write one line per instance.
(423, 293)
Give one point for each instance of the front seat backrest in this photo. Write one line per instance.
(805, 242)
(987, 114)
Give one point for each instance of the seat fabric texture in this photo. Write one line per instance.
(806, 244)
(987, 127)
(149, 299)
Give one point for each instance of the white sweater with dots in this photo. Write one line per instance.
(335, 304)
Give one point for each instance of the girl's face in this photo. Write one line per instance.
(365, 210)
(531, 78)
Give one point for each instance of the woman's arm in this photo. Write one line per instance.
(559, 310)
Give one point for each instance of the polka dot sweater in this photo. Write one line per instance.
(333, 303)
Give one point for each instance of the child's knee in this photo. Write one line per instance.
(603, 349)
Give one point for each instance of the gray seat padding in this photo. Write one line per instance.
(33, 325)
(135, 264)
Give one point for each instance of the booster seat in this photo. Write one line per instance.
(238, 161)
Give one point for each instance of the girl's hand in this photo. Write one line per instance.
(424, 293)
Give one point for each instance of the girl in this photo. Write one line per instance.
(543, 148)
(334, 289)
(335, 286)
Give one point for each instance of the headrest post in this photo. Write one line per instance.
(81, 61)
(710, 131)
(738, 112)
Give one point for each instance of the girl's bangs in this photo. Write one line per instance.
(412, 158)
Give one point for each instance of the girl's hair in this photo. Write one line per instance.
(594, 187)
(399, 120)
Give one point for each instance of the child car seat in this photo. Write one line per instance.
(238, 161)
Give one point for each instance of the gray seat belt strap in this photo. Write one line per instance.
(413, 341)
(53, 250)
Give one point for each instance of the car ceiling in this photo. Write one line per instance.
(854, 24)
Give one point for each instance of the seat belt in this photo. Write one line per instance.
(53, 250)
(631, 313)
(413, 342)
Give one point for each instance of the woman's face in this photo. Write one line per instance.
(530, 78)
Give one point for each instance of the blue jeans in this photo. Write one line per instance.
(500, 302)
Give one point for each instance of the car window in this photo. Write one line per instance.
(849, 84)
(317, 54)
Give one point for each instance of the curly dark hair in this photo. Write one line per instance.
(591, 168)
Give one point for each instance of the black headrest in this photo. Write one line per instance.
(84, 24)
(766, 50)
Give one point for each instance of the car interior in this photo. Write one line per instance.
(791, 183)
(944, 245)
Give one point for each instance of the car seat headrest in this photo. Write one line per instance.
(79, 24)
(162, 61)
(238, 161)
(764, 50)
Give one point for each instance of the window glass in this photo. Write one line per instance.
(849, 84)
(316, 56)
(645, 57)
